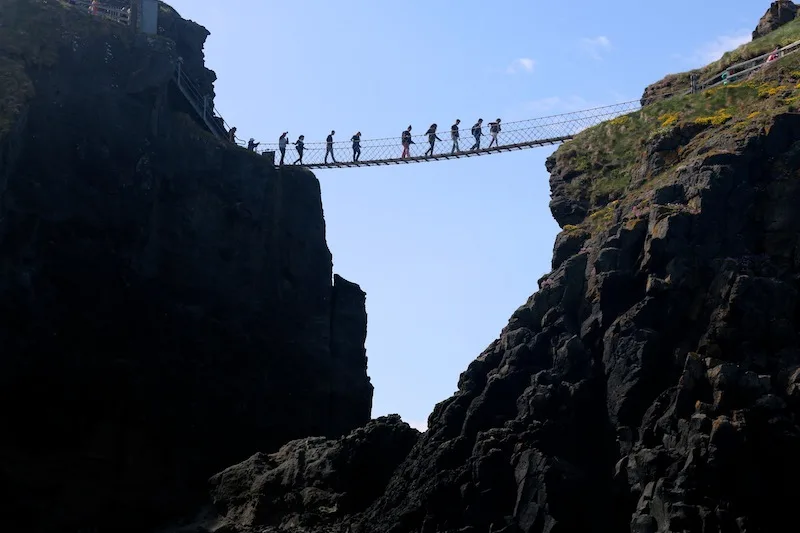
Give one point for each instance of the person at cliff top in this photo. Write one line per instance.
(356, 146)
(283, 140)
(405, 139)
(329, 146)
(455, 135)
(94, 7)
(299, 145)
(432, 138)
(494, 129)
(774, 55)
(232, 135)
(252, 144)
(476, 132)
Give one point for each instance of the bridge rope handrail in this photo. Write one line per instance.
(520, 132)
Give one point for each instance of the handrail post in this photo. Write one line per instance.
(180, 62)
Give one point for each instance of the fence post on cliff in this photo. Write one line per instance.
(694, 83)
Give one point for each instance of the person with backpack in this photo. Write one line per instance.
(329, 146)
(405, 138)
(356, 146)
(432, 138)
(494, 129)
(476, 132)
(300, 145)
(455, 135)
(283, 140)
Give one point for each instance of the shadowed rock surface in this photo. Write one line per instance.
(652, 384)
(166, 300)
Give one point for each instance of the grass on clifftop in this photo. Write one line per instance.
(33, 31)
(783, 36)
(611, 153)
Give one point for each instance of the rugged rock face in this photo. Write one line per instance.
(166, 300)
(778, 14)
(309, 479)
(652, 384)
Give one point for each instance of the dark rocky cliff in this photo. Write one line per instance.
(167, 305)
(651, 385)
(779, 13)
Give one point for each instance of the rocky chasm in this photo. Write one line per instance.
(167, 304)
(651, 385)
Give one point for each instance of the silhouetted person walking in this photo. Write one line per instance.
(232, 135)
(432, 138)
(300, 145)
(283, 140)
(455, 135)
(476, 132)
(494, 130)
(405, 138)
(329, 147)
(356, 146)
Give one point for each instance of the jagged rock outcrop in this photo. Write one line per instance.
(166, 300)
(779, 13)
(310, 479)
(651, 384)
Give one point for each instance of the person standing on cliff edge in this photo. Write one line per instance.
(283, 140)
(232, 135)
(299, 145)
(329, 146)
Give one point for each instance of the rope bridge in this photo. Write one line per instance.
(516, 135)
(513, 136)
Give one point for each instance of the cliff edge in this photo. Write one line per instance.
(167, 306)
(652, 384)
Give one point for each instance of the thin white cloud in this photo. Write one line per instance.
(713, 50)
(522, 64)
(595, 46)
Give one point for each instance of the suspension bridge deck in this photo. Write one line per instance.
(441, 156)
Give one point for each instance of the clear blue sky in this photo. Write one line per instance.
(445, 251)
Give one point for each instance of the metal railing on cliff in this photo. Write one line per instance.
(512, 136)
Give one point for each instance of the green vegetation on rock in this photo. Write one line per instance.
(614, 158)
